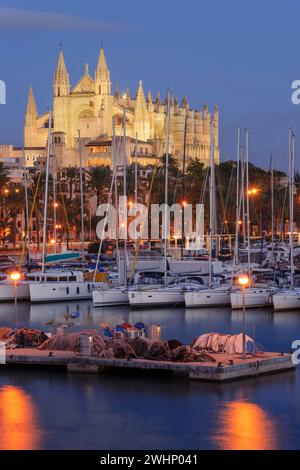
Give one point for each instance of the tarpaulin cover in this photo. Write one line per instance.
(218, 342)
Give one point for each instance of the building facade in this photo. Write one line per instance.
(91, 108)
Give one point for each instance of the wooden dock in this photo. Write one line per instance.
(227, 366)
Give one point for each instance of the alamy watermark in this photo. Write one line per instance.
(2, 92)
(136, 221)
(296, 353)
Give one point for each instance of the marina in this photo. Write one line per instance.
(149, 231)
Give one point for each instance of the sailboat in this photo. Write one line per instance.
(212, 296)
(57, 285)
(289, 299)
(116, 295)
(253, 296)
(166, 295)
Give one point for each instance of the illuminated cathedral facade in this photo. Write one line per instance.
(90, 107)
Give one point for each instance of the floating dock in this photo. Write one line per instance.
(227, 366)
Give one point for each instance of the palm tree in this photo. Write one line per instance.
(72, 174)
(97, 182)
(15, 205)
(36, 194)
(4, 179)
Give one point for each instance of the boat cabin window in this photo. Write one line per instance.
(72, 278)
(51, 279)
(63, 278)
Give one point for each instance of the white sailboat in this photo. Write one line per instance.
(110, 296)
(57, 285)
(212, 296)
(12, 290)
(253, 296)
(166, 295)
(289, 299)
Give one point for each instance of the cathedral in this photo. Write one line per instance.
(89, 109)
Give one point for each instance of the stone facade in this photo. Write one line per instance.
(90, 107)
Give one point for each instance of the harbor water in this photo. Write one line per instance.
(46, 409)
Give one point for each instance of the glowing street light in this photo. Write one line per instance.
(253, 191)
(52, 241)
(15, 276)
(243, 281)
(55, 205)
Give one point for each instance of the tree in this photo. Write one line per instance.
(72, 177)
(97, 180)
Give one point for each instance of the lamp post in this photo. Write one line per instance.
(244, 282)
(15, 277)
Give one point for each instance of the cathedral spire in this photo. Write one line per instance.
(141, 115)
(141, 106)
(61, 77)
(102, 75)
(31, 108)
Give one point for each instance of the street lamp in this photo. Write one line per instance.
(15, 276)
(244, 282)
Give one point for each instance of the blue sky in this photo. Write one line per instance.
(242, 55)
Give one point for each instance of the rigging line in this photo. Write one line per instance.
(108, 202)
(30, 220)
(158, 160)
(227, 197)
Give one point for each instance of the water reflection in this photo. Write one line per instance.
(19, 428)
(245, 426)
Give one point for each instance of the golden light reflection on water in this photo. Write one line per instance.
(245, 426)
(19, 428)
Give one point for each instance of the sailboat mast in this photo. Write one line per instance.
(166, 191)
(125, 194)
(135, 182)
(272, 207)
(116, 197)
(247, 198)
(54, 198)
(27, 221)
(211, 202)
(291, 199)
(46, 194)
(81, 194)
(237, 204)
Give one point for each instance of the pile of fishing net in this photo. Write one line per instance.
(70, 342)
(137, 348)
(25, 338)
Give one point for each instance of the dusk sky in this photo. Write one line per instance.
(241, 55)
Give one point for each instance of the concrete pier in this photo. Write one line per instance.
(227, 366)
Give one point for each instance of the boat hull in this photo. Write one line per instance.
(207, 298)
(62, 291)
(110, 297)
(9, 292)
(253, 298)
(155, 297)
(286, 301)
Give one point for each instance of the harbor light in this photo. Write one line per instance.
(15, 276)
(243, 280)
(55, 204)
(253, 192)
(52, 241)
